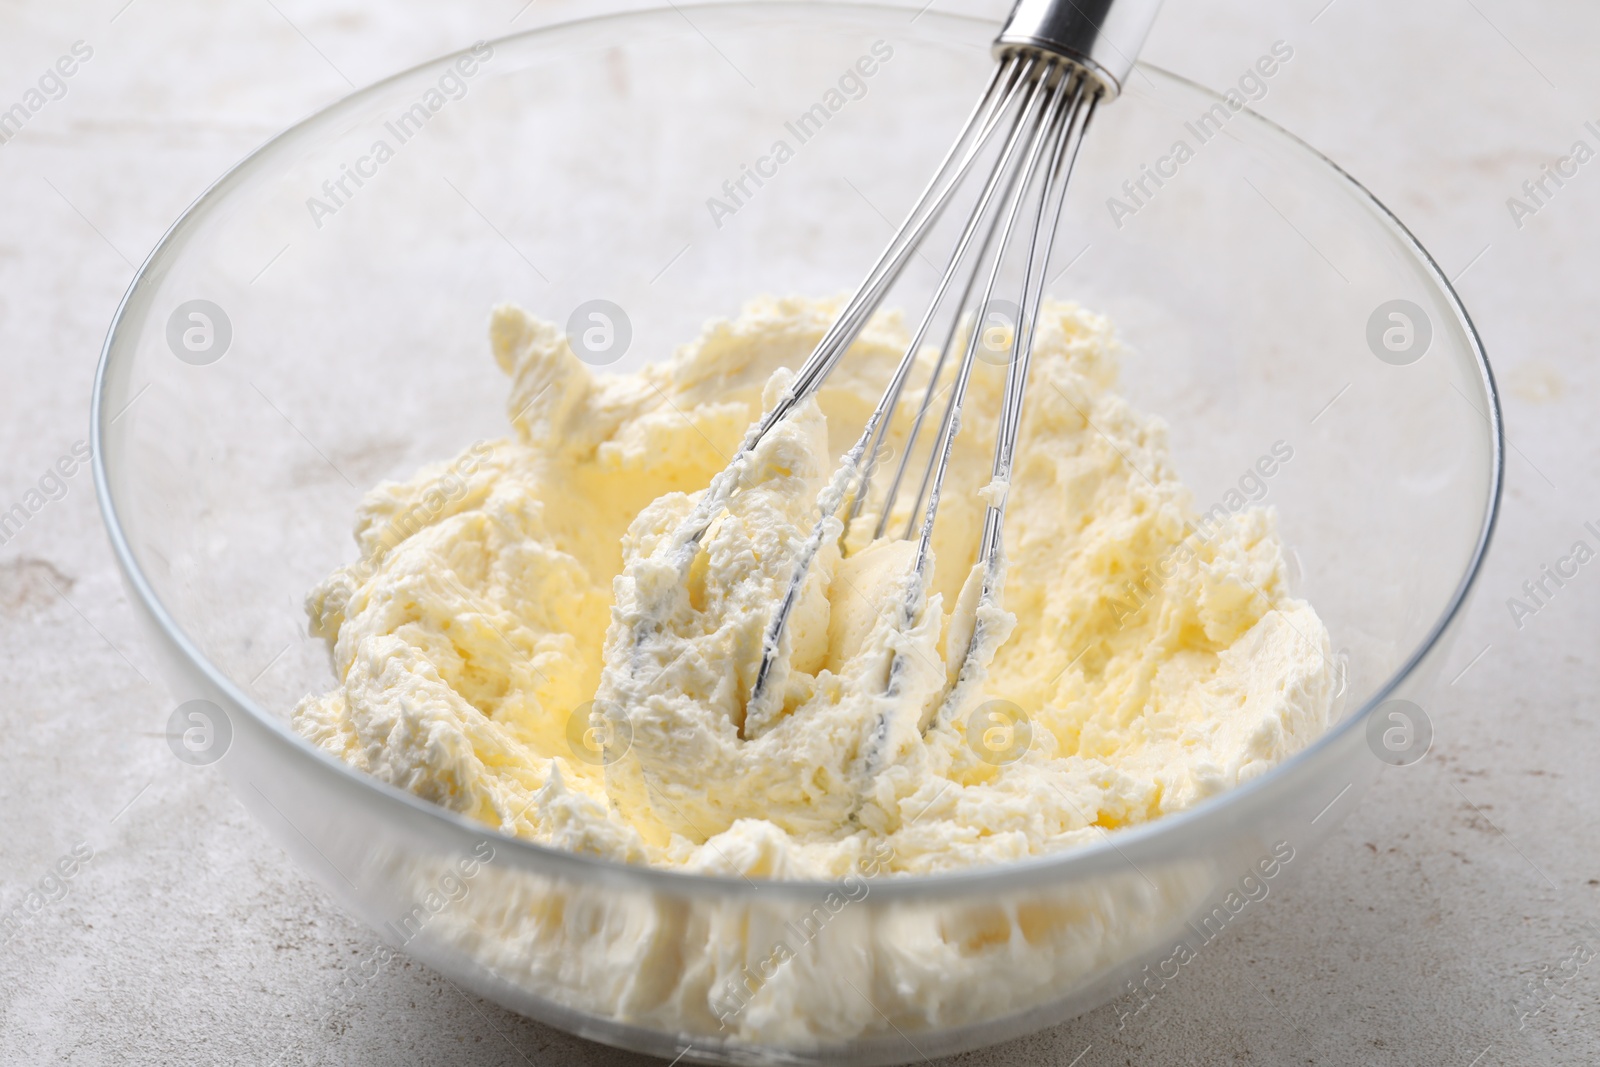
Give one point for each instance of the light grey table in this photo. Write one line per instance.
(1450, 898)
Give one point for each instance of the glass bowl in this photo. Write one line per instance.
(316, 323)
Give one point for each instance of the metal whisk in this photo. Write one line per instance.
(1057, 60)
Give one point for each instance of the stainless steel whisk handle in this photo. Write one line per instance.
(1101, 36)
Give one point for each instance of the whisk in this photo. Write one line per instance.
(1057, 60)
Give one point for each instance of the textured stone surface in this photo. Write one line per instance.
(1459, 884)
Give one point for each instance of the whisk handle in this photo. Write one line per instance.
(1101, 36)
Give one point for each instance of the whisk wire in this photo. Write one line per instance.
(1007, 80)
(991, 554)
(1004, 84)
(892, 396)
(1049, 128)
(1037, 127)
(1060, 173)
(852, 477)
(878, 424)
(1042, 127)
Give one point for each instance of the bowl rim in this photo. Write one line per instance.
(1109, 850)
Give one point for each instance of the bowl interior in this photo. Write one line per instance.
(353, 261)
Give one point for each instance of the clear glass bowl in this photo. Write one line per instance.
(575, 162)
